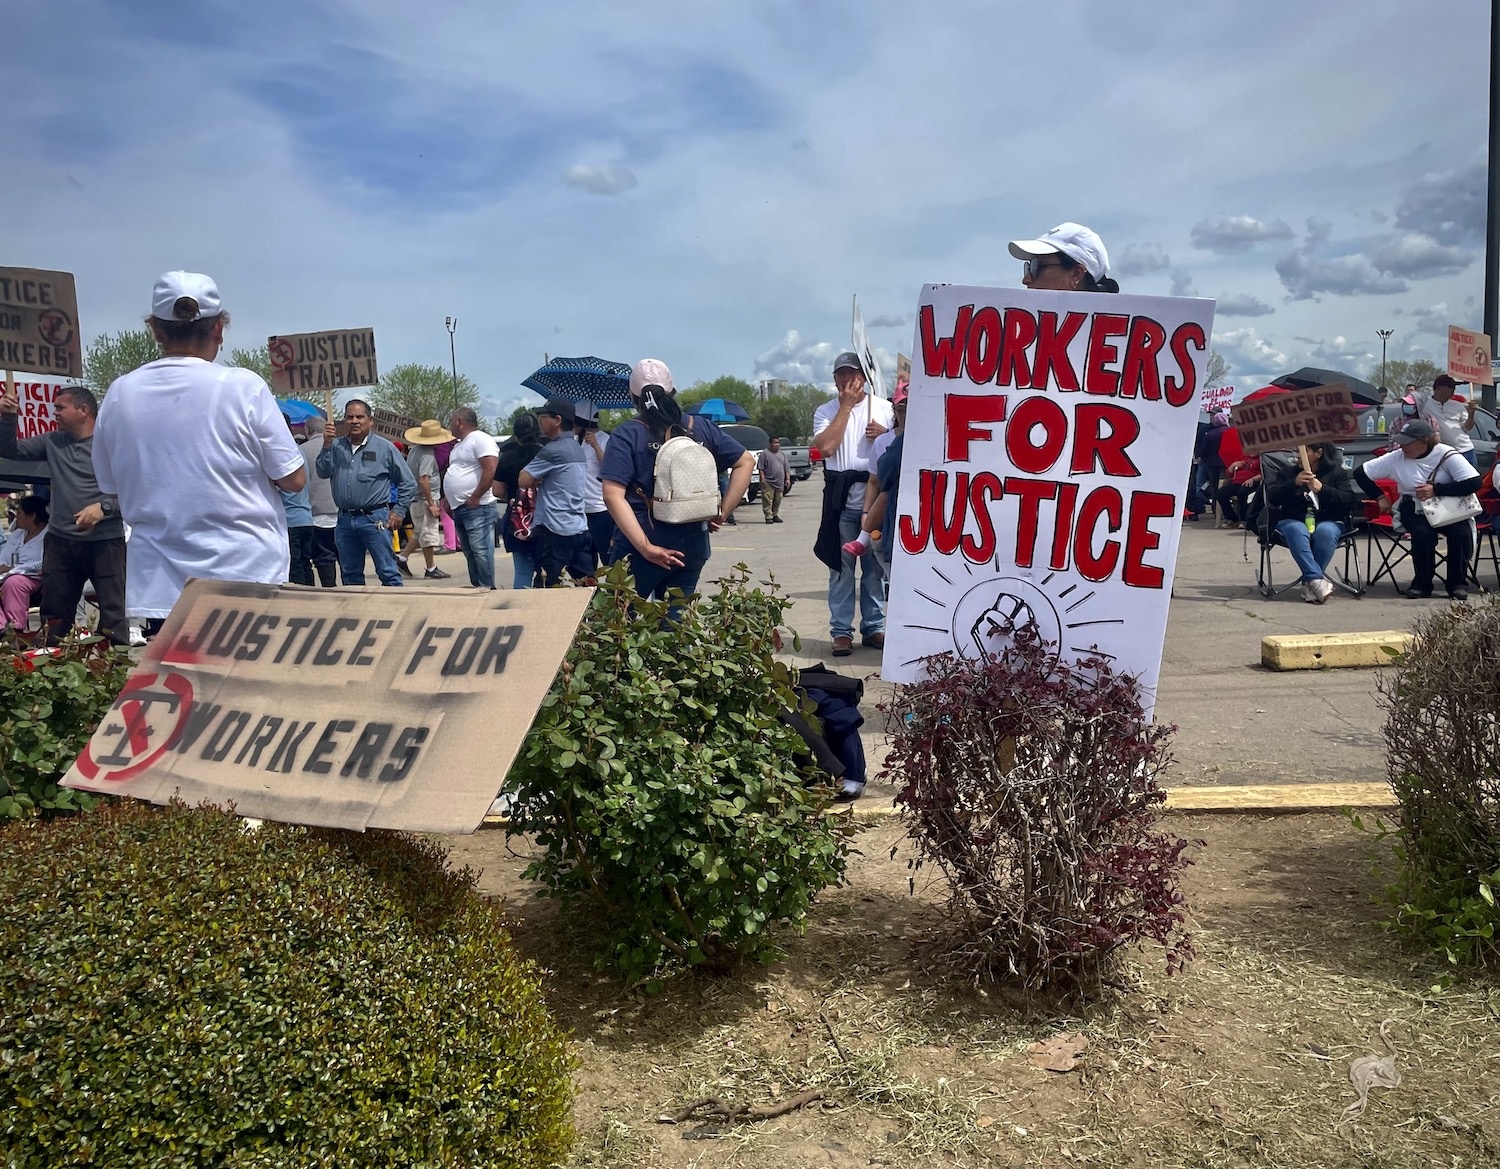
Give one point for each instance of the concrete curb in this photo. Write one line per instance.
(1332, 651)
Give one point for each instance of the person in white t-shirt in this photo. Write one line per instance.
(594, 441)
(1421, 468)
(1451, 416)
(196, 453)
(844, 431)
(471, 474)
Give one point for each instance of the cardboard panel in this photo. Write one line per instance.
(381, 708)
(39, 323)
(1282, 422)
(306, 363)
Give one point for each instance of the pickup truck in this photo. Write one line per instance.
(799, 459)
(755, 440)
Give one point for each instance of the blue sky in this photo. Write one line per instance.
(709, 183)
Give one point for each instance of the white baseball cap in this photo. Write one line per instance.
(650, 372)
(176, 287)
(1071, 239)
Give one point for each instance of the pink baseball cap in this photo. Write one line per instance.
(650, 372)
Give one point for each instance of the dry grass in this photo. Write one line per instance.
(1241, 1062)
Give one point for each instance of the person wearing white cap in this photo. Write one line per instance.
(195, 452)
(663, 555)
(1069, 258)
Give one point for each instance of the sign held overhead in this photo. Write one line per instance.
(336, 360)
(1469, 355)
(387, 708)
(1282, 422)
(39, 323)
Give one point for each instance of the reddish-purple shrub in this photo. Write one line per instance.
(1032, 785)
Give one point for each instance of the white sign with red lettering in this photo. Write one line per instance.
(1043, 474)
(36, 415)
(1218, 398)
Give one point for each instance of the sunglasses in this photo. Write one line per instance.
(1031, 269)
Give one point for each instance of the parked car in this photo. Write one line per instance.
(798, 460)
(754, 440)
(1362, 447)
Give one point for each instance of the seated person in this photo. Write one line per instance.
(21, 562)
(1423, 468)
(1310, 510)
(1237, 491)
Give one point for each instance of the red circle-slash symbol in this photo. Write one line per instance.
(144, 721)
(283, 352)
(55, 326)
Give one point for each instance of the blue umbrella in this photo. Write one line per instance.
(720, 410)
(299, 411)
(584, 379)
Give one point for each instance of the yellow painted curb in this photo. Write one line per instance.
(1332, 651)
(1280, 797)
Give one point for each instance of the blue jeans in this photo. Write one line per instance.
(524, 558)
(357, 534)
(1311, 550)
(477, 524)
(841, 587)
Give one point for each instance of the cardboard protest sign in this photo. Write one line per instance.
(304, 362)
(387, 708)
(36, 416)
(1280, 422)
(39, 323)
(1043, 474)
(1469, 356)
(386, 423)
(903, 367)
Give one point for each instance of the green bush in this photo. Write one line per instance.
(49, 707)
(1442, 737)
(662, 784)
(178, 990)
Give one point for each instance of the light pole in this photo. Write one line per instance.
(1384, 335)
(451, 324)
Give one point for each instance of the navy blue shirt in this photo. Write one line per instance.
(630, 460)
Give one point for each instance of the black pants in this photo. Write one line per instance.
(325, 557)
(66, 566)
(1424, 538)
(556, 554)
(602, 532)
(300, 541)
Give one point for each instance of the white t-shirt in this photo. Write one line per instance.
(593, 487)
(191, 448)
(1448, 420)
(463, 466)
(855, 450)
(1409, 474)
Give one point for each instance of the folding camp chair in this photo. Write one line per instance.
(1382, 537)
(1486, 538)
(1277, 467)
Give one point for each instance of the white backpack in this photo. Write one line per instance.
(687, 483)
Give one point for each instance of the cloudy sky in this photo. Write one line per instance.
(709, 183)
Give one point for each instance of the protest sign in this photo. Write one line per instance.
(387, 708)
(903, 367)
(39, 323)
(1216, 399)
(386, 423)
(1469, 357)
(1280, 422)
(35, 415)
(1043, 476)
(860, 342)
(336, 360)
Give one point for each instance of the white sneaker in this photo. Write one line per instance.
(1307, 593)
(1322, 589)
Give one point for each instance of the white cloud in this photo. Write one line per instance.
(1139, 259)
(798, 361)
(1241, 304)
(1420, 257)
(1236, 233)
(1305, 273)
(1182, 284)
(600, 179)
(1247, 351)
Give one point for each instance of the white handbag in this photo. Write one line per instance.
(1443, 510)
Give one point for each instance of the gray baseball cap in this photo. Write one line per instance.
(847, 361)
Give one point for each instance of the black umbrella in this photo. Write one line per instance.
(1309, 376)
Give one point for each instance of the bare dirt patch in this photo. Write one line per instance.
(1242, 1061)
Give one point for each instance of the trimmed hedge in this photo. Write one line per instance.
(178, 990)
